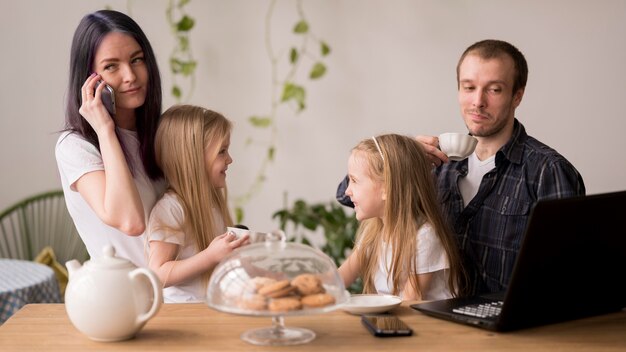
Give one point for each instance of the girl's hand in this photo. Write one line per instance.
(92, 108)
(224, 244)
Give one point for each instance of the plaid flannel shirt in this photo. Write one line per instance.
(491, 227)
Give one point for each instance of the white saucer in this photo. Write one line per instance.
(367, 304)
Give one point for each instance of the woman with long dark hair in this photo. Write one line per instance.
(106, 156)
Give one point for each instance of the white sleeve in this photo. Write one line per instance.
(166, 221)
(76, 157)
(431, 255)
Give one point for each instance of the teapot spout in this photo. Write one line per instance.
(72, 266)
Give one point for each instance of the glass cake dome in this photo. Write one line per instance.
(275, 278)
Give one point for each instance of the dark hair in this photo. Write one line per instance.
(87, 37)
(491, 48)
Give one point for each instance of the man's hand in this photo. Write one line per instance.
(431, 147)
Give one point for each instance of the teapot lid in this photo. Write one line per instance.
(110, 261)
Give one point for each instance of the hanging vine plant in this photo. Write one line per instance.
(182, 63)
(309, 54)
(287, 90)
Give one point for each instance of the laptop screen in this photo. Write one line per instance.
(572, 264)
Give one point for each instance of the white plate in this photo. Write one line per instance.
(367, 304)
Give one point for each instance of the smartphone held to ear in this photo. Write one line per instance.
(386, 325)
(108, 98)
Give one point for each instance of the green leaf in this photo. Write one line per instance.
(294, 92)
(300, 205)
(280, 214)
(270, 153)
(301, 27)
(176, 92)
(188, 67)
(260, 121)
(176, 65)
(309, 223)
(238, 214)
(325, 48)
(293, 55)
(289, 91)
(317, 71)
(182, 3)
(185, 24)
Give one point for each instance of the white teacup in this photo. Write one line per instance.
(237, 231)
(457, 146)
(254, 236)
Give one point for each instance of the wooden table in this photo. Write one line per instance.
(196, 327)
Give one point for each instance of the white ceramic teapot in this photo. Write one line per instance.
(109, 298)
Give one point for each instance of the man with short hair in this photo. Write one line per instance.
(488, 197)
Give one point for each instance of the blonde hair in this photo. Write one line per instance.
(401, 165)
(185, 133)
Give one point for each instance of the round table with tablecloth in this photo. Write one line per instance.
(23, 282)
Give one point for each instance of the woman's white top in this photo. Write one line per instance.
(166, 224)
(77, 157)
(430, 258)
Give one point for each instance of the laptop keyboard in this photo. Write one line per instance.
(483, 310)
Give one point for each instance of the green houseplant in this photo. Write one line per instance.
(338, 226)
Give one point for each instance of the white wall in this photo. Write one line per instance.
(392, 69)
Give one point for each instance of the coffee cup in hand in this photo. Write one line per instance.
(254, 236)
(457, 146)
(237, 231)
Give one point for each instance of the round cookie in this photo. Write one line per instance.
(285, 304)
(277, 289)
(318, 300)
(308, 284)
(282, 292)
(261, 281)
(279, 285)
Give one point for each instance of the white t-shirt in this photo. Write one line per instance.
(476, 169)
(431, 258)
(77, 157)
(165, 224)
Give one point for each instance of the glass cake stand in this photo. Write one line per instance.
(237, 282)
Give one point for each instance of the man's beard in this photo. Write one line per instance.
(486, 131)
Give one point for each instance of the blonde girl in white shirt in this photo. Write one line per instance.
(403, 245)
(187, 227)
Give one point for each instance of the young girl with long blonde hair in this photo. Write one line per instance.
(403, 246)
(187, 227)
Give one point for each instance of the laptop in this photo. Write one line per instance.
(571, 264)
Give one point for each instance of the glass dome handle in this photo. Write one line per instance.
(276, 238)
